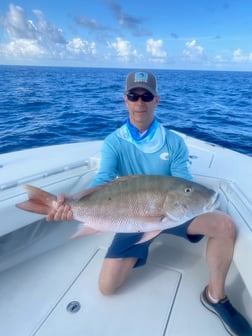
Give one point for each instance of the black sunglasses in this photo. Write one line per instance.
(146, 97)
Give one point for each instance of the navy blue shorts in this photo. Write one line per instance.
(124, 244)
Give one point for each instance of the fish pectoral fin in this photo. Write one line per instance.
(148, 236)
(84, 230)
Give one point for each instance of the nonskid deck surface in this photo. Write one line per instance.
(161, 298)
(43, 276)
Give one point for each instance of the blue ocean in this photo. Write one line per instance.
(42, 106)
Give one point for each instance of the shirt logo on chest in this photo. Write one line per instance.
(164, 156)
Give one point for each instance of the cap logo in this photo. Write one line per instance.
(141, 77)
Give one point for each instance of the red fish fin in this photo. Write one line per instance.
(40, 201)
(148, 236)
(84, 230)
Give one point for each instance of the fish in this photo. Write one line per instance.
(134, 203)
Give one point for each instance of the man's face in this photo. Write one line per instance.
(141, 113)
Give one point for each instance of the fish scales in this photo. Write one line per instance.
(121, 201)
(135, 203)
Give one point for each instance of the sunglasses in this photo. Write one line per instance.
(146, 97)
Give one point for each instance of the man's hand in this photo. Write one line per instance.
(63, 211)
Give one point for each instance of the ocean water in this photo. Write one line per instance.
(42, 106)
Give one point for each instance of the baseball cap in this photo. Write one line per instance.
(141, 79)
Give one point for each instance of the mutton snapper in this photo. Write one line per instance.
(135, 203)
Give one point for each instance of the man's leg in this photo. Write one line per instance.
(122, 255)
(221, 237)
(221, 233)
(114, 272)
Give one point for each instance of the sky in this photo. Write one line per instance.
(158, 34)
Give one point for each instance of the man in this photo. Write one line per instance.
(143, 146)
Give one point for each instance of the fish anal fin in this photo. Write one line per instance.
(84, 230)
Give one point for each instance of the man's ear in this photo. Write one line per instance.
(157, 98)
(125, 99)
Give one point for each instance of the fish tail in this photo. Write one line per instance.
(40, 201)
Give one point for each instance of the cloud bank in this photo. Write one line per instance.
(32, 39)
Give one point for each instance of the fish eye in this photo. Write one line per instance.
(187, 190)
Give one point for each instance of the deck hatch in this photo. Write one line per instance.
(141, 307)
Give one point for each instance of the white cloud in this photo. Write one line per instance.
(123, 48)
(154, 47)
(18, 26)
(28, 38)
(31, 41)
(240, 57)
(22, 48)
(47, 31)
(220, 59)
(193, 52)
(79, 46)
(237, 56)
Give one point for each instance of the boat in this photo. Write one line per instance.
(49, 283)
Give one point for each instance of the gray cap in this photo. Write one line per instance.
(142, 79)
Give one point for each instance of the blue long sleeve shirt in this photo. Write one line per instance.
(161, 152)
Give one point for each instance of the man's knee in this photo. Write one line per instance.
(106, 288)
(227, 227)
(107, 283)
(213, 224)
(114, 273)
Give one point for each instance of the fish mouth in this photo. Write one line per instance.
(214, 202)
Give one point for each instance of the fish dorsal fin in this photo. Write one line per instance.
(125, 178)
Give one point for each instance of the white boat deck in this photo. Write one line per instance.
(161, 298)
(42, 272)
